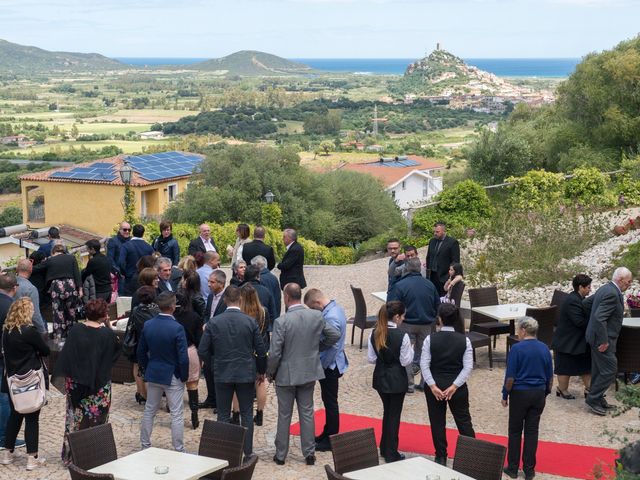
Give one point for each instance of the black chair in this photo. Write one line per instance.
(546, 317)
(224, 441)
(332, 475)
(479, 459)
(628, 352)
(484, 297)
(243, 472)
(360, 319)
(354, 450)
(92, 447)
(558, 298)
(456, 298)
(479, 340)
(78, 473)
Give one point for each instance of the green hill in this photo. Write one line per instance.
(16, 58)
(250, 63)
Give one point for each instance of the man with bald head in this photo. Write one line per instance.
(258, 247)
(291, 266)
(605, 322)
(27, 289)
(204, 243)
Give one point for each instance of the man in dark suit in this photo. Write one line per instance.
(114, 244)
(605, 322)
(446, 363)
(291, 266)
(270, 281)
(229, 343)
(443, 251)
(165, 281)
(130, 253)
(53, 235)
(162, 355)
(252, 276)
(215, 306)
(204, 243)
(294, 363)
(258, 247)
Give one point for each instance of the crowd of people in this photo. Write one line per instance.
(188, 319)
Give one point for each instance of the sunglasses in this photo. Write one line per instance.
(125, 229)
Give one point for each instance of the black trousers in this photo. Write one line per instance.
(525, 409)
(392, 411)
(435, 279)
(329, 391)
(31, 429)
(459, 405)
(211, 386)
(245, 393)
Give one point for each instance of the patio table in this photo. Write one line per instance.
(416, 468)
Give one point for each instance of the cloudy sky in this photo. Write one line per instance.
(321, 28)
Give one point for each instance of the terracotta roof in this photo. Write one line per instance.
(117, 161)
(392, 174)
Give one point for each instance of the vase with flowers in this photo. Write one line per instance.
(633, 302)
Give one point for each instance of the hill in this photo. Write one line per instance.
(15, 58)
(250, 63)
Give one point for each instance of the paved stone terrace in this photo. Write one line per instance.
(563, 420)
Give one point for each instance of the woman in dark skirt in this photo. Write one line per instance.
(390, 349)
(572, 354)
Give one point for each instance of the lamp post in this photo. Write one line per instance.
(271, 211)
(269, 196)
(126, 172)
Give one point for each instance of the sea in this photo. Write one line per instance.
(502, 67)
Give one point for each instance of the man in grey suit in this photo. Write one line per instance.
(294, 363)
(605, 323)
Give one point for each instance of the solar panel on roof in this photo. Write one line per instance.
(164, 165)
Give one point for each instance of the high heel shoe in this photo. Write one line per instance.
(566, 396)
(140, 399)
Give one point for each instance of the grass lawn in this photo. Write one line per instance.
(10, 199)
(145, 115)
(127, 147)
(292, 127)
(327, 162)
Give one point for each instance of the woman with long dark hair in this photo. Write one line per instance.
(455, 281)
(390, 349)
(85, 363)
(242, 236)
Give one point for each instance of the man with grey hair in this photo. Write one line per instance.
(606, 309)
(421, 301)
(26, 289)
(270, 281)
(291, 266)
(163, 267)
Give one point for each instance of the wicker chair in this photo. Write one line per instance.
(479, 340)
(78, 473)
(628, 351)
(354, 450)
(332, 475)
(121, 372)
(224, 441)
(93, 446)
(479, 459)
(456, 298)
(546, 317)
(360, 319)
(243, 472)
(484, 297)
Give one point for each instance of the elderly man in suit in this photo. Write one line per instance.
(294, 363)
(232, 344)
(293, 260)
(165, 282)
(605, 323)
(258, 247)
(270, 281)
(204, 243)
(443, 251)
(130, 253)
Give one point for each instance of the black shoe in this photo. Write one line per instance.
(597, 409)
(320, 438)
(395, 458)
(419, 387)
(235, 418)
(441, 460)
(311, 460)
(566, 396)
(606, 405)
(323, 446)
(140, 399)
(258, 418)
(278, 461)
(510, 472)
(529, 475)
(207, 404)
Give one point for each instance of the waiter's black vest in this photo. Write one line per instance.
(390, 376)
(447, 351)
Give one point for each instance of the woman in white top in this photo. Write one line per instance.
(242, 234)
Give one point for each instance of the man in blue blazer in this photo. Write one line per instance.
(162, 356)
(129, 255)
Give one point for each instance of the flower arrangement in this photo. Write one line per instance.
(633, 300)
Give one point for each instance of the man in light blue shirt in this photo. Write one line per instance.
(26, 289)
(211, 263)
(334, 361)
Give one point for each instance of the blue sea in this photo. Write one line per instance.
(502, 67)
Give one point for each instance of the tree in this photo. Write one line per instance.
(326, 146)
(11, 215)
(74, 131)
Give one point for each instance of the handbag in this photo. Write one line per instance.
(130, 340)
(28, 391)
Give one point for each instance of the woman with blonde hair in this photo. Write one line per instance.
(242, 236)
(187, 263)
(23, 348)
(390, 349)
(250, 304)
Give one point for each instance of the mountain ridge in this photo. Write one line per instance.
(253, 63)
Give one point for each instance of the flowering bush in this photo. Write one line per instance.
(633, 300)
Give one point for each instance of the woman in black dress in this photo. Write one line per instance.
(572, 354)
(390, 349)
(99, 267)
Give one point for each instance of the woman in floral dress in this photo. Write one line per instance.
(85, 365)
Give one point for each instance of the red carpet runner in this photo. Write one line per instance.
(563, 459)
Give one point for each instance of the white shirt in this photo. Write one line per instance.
(214, 303)
(208, 246)
(406, 351)
(425, 362)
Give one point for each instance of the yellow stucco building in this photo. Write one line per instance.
(90, 195)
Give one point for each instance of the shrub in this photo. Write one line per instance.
(587, 186)
(537, 190)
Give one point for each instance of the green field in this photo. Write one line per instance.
(61, 147)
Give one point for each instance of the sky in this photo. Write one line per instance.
(322, 28)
